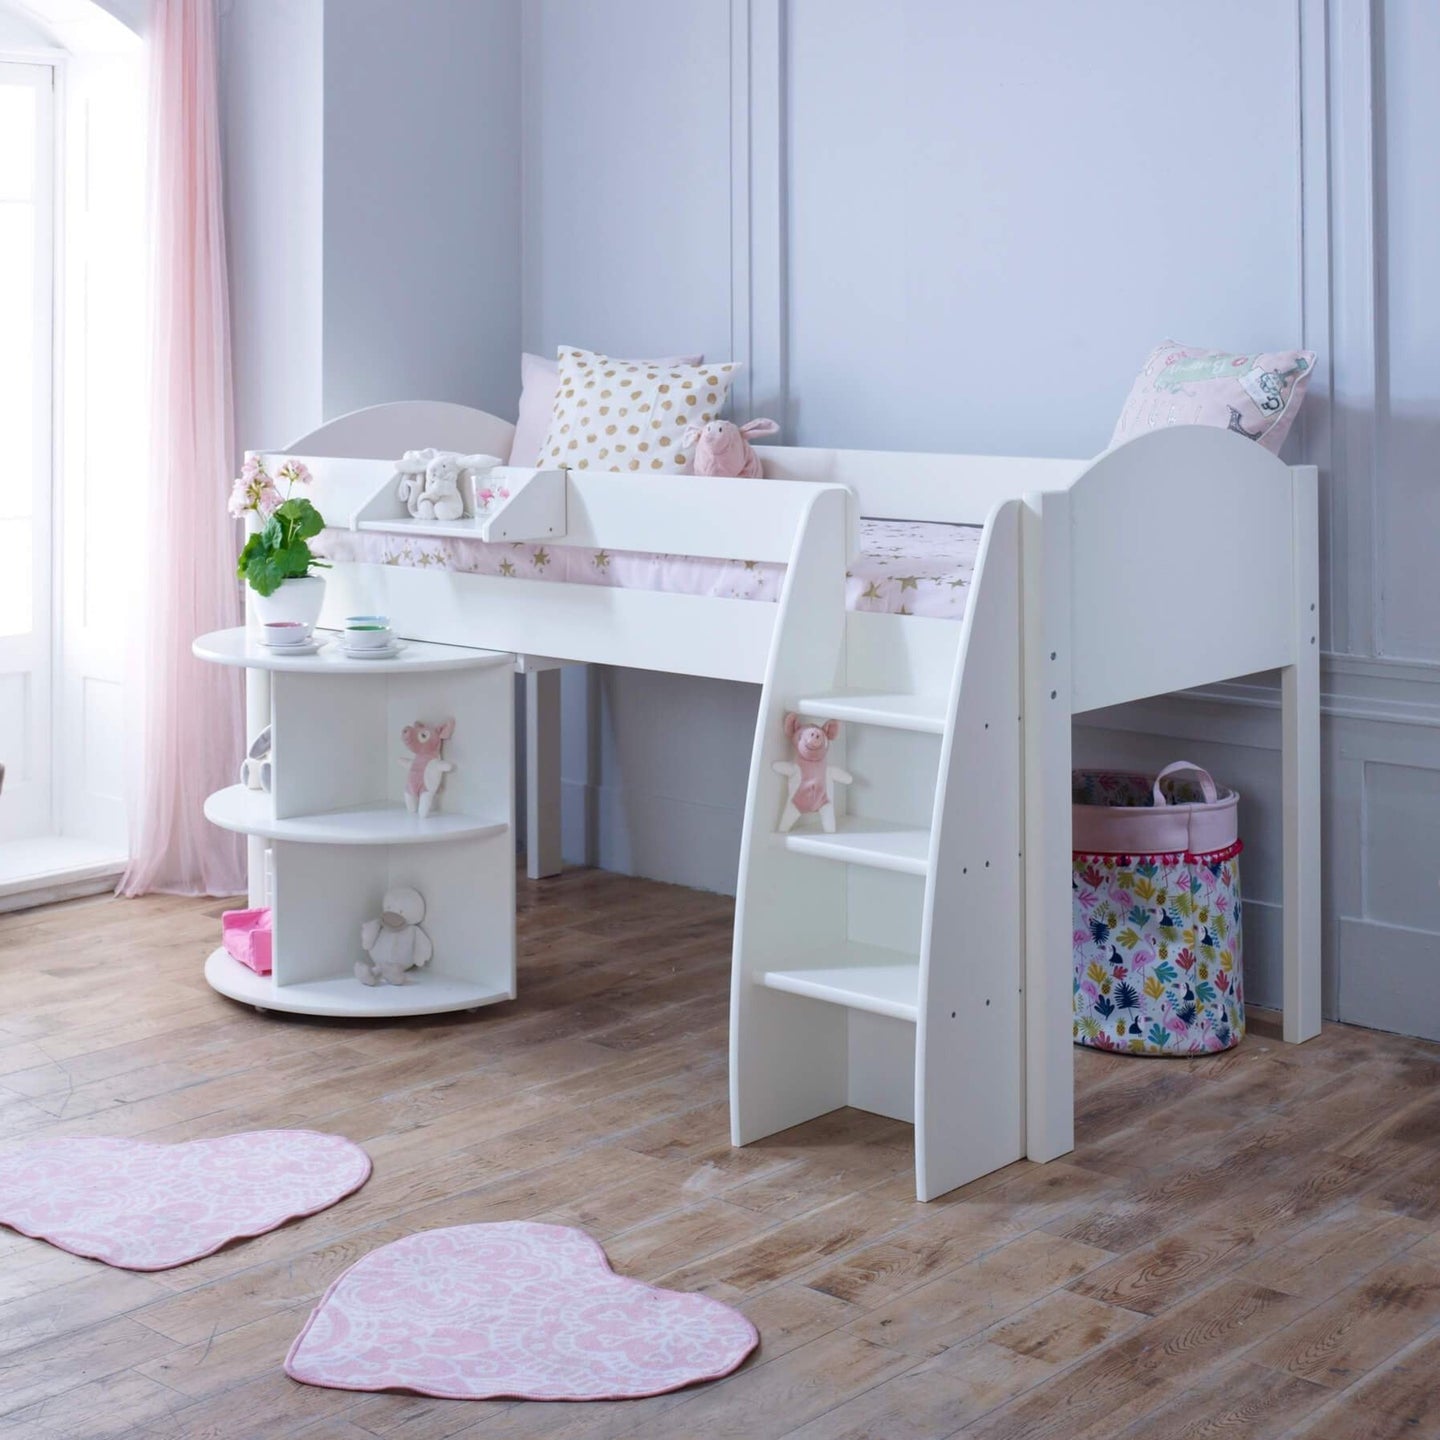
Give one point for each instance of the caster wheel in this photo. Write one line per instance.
(261, 1010)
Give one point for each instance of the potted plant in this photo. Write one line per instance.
(277, 561)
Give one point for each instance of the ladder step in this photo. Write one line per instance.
(926, 713)
(880, 844)
(861, 977)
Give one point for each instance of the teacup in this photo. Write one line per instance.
(368, 632)
(279, 633)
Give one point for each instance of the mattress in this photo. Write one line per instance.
(904, 567)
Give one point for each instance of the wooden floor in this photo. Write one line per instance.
(1246, 1245)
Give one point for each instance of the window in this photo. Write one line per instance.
(27, 247)
(71, 424)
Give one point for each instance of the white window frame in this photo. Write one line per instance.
(30, 803)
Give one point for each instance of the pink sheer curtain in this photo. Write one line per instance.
(192, 731)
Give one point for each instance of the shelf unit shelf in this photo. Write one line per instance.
(860, 977)
(242, 649)
(923, 713)
(343, 996)
(251, 812)
(857, 840)
(334, 834)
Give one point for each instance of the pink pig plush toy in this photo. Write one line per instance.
(723, 448)
(425, 770)
(809, 775)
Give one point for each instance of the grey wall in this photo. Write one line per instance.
(274, 207)
(372, 154)
(961, 226)
(422, 194)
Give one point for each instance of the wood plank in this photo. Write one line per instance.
(1364, 1325)
(975, 1296)
(597, 1098)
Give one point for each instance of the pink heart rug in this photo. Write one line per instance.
(142, 1206)
(520, 1310)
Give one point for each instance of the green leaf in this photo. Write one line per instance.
(301, 517)
(252, 549)
(264, 574)
(294, 560)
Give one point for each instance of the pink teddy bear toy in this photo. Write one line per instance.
(723, 448)
(426, 770)
(809, 775)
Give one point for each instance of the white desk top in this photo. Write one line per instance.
(241, 647)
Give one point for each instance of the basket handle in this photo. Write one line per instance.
(1207, 784)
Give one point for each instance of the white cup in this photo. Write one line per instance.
(278, 634)
(368, 632)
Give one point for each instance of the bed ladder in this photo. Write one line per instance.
(880, 966)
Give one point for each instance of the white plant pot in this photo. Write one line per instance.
(300, 600)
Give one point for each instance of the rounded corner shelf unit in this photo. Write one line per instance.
(333, 832)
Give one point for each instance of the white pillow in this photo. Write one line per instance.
(629, 415)
(539, 379)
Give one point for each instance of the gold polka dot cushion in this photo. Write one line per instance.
(629, 416)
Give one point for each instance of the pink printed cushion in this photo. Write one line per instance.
(517, 1309)
(144, 1206)
(1256, 395)
(539, 381)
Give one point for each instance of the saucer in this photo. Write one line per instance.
(375, 652)
(307, 647)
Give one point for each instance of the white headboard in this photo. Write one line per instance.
(386, 432)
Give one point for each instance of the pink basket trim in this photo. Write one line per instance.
(1165, 857)
(1115, 814)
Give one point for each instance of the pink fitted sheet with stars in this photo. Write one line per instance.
(904, 567)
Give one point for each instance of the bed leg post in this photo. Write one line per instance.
(542, 773)
(1048, 979)
(1300, 752)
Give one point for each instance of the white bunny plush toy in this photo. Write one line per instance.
(440, 484)
(395, 943)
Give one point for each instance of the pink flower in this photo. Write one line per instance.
(254, 490)
(293, 472)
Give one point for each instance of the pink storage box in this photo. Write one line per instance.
(246, 936)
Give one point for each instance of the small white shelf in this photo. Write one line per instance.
(344, 996)
(240, 647)
(880, 844)
(925, 713)
(535, 510)
(861, 977)
(251, 812)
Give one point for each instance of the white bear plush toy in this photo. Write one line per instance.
(395, 942)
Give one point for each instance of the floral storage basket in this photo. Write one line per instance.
(1157, 912)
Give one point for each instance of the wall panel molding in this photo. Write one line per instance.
(757, 215)
(1356, 319)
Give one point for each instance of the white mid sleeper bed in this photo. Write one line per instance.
(917, 962)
